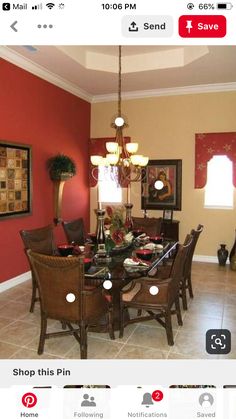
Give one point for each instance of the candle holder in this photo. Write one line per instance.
(100, 230)
(128, 218)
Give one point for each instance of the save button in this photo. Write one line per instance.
(198, 26)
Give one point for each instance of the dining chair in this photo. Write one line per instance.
(39, 240)
(186, 283)
(187, 280)
(151, 226)
(65, 297)
(74, 231)
(157, 297)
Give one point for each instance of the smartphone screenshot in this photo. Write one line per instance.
(117, 209)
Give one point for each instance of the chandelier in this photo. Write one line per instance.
(120, 155)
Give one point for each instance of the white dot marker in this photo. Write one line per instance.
(107, 284)
(70, 297)
(153, 290)
(158, 185)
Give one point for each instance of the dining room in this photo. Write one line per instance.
(177, 102)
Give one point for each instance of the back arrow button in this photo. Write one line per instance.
(13, 26)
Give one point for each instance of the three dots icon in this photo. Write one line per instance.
(39, 26)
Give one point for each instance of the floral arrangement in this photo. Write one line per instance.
(115, 222)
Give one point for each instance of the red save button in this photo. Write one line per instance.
(198, 26)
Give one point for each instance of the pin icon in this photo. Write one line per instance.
(29, 400)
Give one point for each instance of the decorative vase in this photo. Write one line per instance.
(233, 250)
(128, 218)
(222, 254)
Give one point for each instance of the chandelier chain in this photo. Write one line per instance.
(119, 83)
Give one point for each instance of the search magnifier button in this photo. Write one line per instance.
(218, 341)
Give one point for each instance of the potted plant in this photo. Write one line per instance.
(61, 167)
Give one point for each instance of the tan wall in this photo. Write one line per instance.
(165, 128)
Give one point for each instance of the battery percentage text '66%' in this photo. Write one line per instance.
(206, 6)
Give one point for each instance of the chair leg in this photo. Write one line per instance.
(33, 297)
(190, 288)
(169, 331)
(178, 312)
(42, 334)
(184, 295)
(121, 321)
(83, 341)
(110, 324)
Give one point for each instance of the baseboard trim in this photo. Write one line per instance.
(205, 258)
(4, 286)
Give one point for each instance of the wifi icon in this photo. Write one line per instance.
(50, 5)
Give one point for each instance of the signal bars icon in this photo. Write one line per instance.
(50, 5)
(37, 7)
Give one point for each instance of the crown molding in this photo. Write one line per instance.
(175, 91)
(22, 62)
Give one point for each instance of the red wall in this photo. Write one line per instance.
(35, 112)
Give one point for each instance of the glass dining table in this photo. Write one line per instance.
(120, 276)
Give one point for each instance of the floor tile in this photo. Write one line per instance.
(19, 333)
(127, 332)
(57, 346)
(25, 353)
(7, 350)
(97, 349)
(136, 352)
(150, 337)
(190, 344)
(5, 322)
(14, 310)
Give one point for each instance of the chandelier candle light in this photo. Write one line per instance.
(121, 155)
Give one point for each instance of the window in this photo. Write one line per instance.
(219, 187)
(109, 189)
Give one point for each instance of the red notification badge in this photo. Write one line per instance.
(157, 396)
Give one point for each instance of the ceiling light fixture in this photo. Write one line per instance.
(121, 155)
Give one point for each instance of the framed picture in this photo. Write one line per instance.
(15, 179)
(162, 185)
(168, 215)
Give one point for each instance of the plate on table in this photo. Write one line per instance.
(139, 265)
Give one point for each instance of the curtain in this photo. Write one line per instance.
(97, 146)
(212, 144)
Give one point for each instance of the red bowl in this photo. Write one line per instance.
(87, 264)
(137, 232)
(156, 239)
(65, 249)
(92, 237)
(144, 254)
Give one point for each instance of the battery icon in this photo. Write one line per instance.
(225, 6)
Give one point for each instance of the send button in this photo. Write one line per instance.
(147, 26)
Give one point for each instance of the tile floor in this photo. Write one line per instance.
(213, 306)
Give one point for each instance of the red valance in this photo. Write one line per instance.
(97, 147)
(209, 145)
